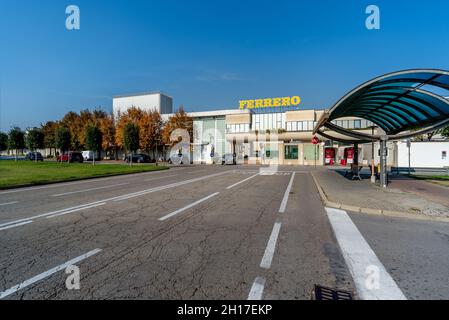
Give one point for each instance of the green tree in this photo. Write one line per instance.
(34, 139)
(16, 140)
(49, 129)
(131, 134)
(93, 139)
(63, 139)
(3, 141)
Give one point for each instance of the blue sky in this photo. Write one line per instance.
(206, 54)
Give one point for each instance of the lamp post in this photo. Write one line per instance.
(315, 142)
(373, 176)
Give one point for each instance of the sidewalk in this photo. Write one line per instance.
(363, 196)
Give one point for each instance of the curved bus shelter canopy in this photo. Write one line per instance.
(397, 103)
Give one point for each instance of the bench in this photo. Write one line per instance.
(354, 172)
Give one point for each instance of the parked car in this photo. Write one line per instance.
(34, 156)
(89, 156)
(73, 156)
(228, 158)
(138, 158)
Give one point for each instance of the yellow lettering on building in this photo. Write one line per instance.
(267, 103)
(285, 102)
(270, 103)
(295, 101)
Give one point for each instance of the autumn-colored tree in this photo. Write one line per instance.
(131, 116)
(77, 124)
(107, 128)
(180, 120)
(49, 129)
(150, 131)
(72, 122)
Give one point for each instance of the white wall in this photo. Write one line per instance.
(148, 102)
(424, 154)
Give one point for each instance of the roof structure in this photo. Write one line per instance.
(402, 104)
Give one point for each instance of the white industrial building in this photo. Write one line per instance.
(149, 101)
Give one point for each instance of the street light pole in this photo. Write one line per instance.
(383, 161)
(409, 144)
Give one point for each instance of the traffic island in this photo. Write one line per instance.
(363, 197)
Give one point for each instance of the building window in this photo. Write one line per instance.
(300, 127)
(294, 126)
(357, 124)
(291, 153)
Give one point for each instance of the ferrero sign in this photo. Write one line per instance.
(270, 103)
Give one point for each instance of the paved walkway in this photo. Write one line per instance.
(399, 197)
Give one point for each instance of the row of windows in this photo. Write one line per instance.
(275, 121)
(301, 126)
(237, 128)
(353, 124)
(268, 121)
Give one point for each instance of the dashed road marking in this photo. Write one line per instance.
(271, 247)
(76, 210)
(101, 202)
(46, 274)
(284, 202)
(16, 225)
(91, 189)
(8, 203)
(168, 216)
(239, 183)
(257, 289)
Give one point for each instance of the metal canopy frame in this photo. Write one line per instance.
(398, 103)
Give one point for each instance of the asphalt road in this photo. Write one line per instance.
(191, 233)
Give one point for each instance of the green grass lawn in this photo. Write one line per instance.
(25, 173)
(433, 177)
(440, 180)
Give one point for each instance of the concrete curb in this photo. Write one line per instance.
(371, 211)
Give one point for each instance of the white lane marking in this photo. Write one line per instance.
(81, 207)
(360, 257)
(168, 216)
(196, 171)
(119, 198)
(64, 184)
(160, 178)
(16, 225)
(8, 203)
(271, 247)
(48, 273)
(256, 292)
(287, 194)
(76, 210)
(238, 183)
(91, 189)
(173, 185)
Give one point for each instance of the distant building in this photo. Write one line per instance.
(149, 101)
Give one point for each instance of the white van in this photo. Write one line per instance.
(89, 156)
